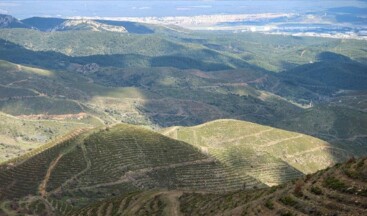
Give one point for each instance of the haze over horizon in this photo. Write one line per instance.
(24, 9)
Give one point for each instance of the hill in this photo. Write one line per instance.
(87, 25)
(82, 168)
(7, 21)
(329, 75)
(271, 155)
(340, 190)
(165, 96)
(89, 166)
(177, 90)
(43, 23)
(272, 52)
(47, 24)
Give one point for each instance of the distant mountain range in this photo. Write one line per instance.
(58, 24)
(330, 24)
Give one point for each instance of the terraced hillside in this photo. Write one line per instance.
(101, 163)
(340, 190)
(271, 155)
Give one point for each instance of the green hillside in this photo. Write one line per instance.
(343, 126)
(139, 95)
(48, 24)
(271, 155)
(19, 135)
(278, 52)
(340, 190)
(327, 76)
(153, 50)
(275, 53)
(100, 163)
(165, 96)
(87, 169)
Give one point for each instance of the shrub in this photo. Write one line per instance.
(269, 204)
(273, 189)
(316, 190)
(335, 184)
(351, 174)
(351, 160)
(287, 200)
(360, 163)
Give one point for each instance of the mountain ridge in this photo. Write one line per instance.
(8, 21)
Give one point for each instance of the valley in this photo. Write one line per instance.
(109, 117)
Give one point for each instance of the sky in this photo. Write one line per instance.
(28, 8)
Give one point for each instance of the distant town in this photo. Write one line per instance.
(317, 25)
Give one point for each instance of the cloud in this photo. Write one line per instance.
(187, 8)
(4, 11)
(141, 8)
(183, 8)
(201, 6)
(8, 4)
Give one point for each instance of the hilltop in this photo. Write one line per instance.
(271, 155)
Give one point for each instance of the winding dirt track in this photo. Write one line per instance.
(43, 185)
(173, 205)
